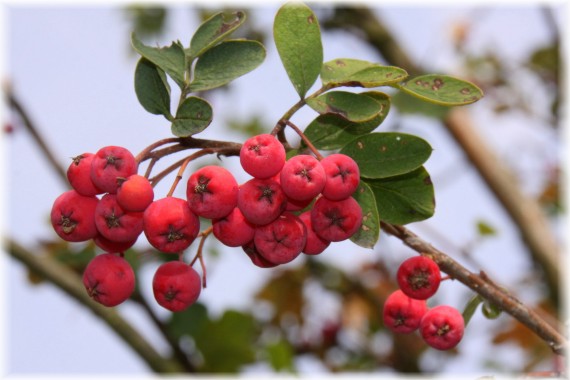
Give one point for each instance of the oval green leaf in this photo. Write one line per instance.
(405, 198)
(387, 154)
(350, 106)
(225, 62)
(442, 89)
(297, 37)
(357, 73)
(369, 232)
(329, 131)
(193, 116)
(471, 307)
(170, 59)
(213, 30)
(152, 88)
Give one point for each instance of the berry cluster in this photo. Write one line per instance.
(406, 310)
(113, 205)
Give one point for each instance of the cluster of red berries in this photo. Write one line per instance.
(258, 216)
(406, 310)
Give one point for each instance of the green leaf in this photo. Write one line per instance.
(350, 106)
(213, 30)
(152, 88)
(281, 356)
(407, 104)
(485, 229)
(193, 116)
(169, 59)
(387, 154)
(188, 322)
(225, 62)
(442, 89)
(357, 73)
(405, 198)
(330, 131)
(297, 37)
(369, 232)
(491, 311)
(471, 307)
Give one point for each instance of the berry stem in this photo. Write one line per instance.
(183, 166)
(145, 153)
(204, 234)
(305, 139)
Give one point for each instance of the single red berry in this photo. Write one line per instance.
(176, 285)
(256, 257)
(315, 244)
(73, 216)
(261, 201)
(212, 192)
(79, 175)
(110, 246)
(109, 279)
(233, 229)
(403, 314)
(109, 165)
(169, 225)
(302, 177)
(336, 220)
(343, 176)
(282, 240)
(442, 327)
(262, 156)
(135, 193)
(419, 277)
(116, 224)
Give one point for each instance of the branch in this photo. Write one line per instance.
(68, 281)
(484, 286)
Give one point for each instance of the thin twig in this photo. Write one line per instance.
(183, 166)
(305, 139)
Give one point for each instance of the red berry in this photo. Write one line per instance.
(212, 192)
(135, 193)
(73, 216)
(79, 175)
(112, 246)
(419, 277)
(109, 279)
(233, 230)
(294, 205)
(262, 156)
(442, 327)
(176, 285)
(336, 220)
(169, 225)
(116, 224)
(109, 165)
(261, 201)
(343, 176)
(302, 177)
(256, 257)
(315, 244)
(282, 240)
(403, 314)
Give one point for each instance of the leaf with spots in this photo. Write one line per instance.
(369, 232)
(152, 89)
(330, 131)
(405, 198)
(213, 30)
(225, 62)
(192, 116)
(357, 73)
(350, 106)
(387, 154)
(297, 37)
(442, 89)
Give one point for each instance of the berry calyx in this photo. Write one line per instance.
(336, 220)
(109, 279)
(73, 216)
(442, 327)
(212, 192)
(419, 277)
(116, 224)
(176, 286)
(110, 164)
(343, 176)
(402, 314)
(302, 177)
(261, 201)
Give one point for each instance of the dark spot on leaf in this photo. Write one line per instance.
(437, 84)
(352, 84)
(419, 82)
(340, 63)
(311, 19)
(383, 148)
(389, 75)
(412, 211)
(427, 180)
(360, 145)
(465, 91)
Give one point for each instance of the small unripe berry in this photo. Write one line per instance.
(419, 277)
(116, 224)
(73, 216)
(315, 244)
(282, 240)
(79, 175)
(176, 285)
(302, 177)
(233, 230)
(262, 156)
(336, 220)
(442, 327)
(343, 176)
(212, 192)
(403, 314)
(135, 193)
(169, 225)
(261, 201)
(109, 279)
(109, 165)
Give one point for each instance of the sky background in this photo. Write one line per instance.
(72, 69)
